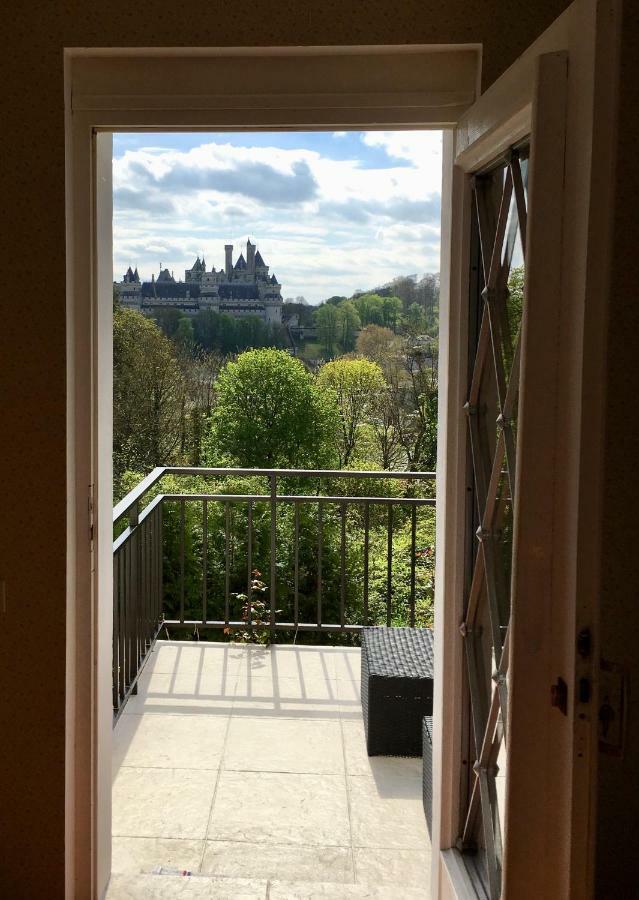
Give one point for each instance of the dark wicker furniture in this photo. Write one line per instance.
(427, 777)
(397, 688)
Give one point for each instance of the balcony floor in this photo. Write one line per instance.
(247, 767)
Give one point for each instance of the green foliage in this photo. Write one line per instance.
(148, 394)
(415, 319)
(515, 301)
(223, 333)
(327, 320)
(370, 308)
(177, 382)
(270, 414)
(227, 529)
(348, 323)
(355, 383)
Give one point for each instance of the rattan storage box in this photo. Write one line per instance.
(397, 688)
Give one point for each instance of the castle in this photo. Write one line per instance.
(241, 289)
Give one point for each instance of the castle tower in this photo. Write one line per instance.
(228, 265)
(250, 258)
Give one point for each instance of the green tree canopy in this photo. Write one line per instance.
(370, 308)
(348, 323)
(327, 319)
(148, 393)
(355, 383)
(270, 413)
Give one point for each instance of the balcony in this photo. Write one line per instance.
(245, 764)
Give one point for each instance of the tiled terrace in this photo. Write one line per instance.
(247, 767)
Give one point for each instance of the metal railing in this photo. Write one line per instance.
(190, 560)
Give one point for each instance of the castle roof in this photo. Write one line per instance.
(258, 259)
(131, 277)
(273, 279)
(239, 291)
(241, 262)
(165, 276)
(166, 290)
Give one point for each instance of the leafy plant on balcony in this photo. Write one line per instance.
(255, 612)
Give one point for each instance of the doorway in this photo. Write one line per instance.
(171, 93)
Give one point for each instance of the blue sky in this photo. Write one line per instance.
(331, 212)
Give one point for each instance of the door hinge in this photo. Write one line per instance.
(559, 696)
(584, 643)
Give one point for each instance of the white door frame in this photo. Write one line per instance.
(552, 93)
(118, 89)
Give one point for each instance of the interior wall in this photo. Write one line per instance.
(618, 788)
(33, 335)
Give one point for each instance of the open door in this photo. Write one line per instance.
(513, 737)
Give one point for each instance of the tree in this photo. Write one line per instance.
(378, 344)
(415, 319)
(355, 383)
(404, 287)
(348, 324)
(327, 319)
(370, 308)
(427, 295)
(169, 319)
(184, 333)
(413, 398)
(270, 413)
(148, 391)
(383, 419)
(200, 369)
(391, 311)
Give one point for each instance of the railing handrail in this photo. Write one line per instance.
(133, 498)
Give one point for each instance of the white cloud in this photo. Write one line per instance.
(419, 147)
(325, 226)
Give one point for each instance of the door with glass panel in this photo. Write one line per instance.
(496, 298)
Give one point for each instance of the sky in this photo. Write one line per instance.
(330, 212)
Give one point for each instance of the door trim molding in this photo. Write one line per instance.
(103, 91)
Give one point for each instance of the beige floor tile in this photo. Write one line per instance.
(170, 741)
(347, 663)
(192, 656)
(307, 664)
(210, 690)
(284, 745)
(166, 887)
(136, 856)
(265, 807)
(387, 812)
(399, 867)
(311, 698)
(350, 700)
(282, 861)
(358, 762)
(287, 890)
(172, 803)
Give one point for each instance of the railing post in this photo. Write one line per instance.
(182, 560)
(389, 568)
(342, 580)
(205, 549)
(273, 483)
(134, 515)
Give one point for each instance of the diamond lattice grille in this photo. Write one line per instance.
(500, 200)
